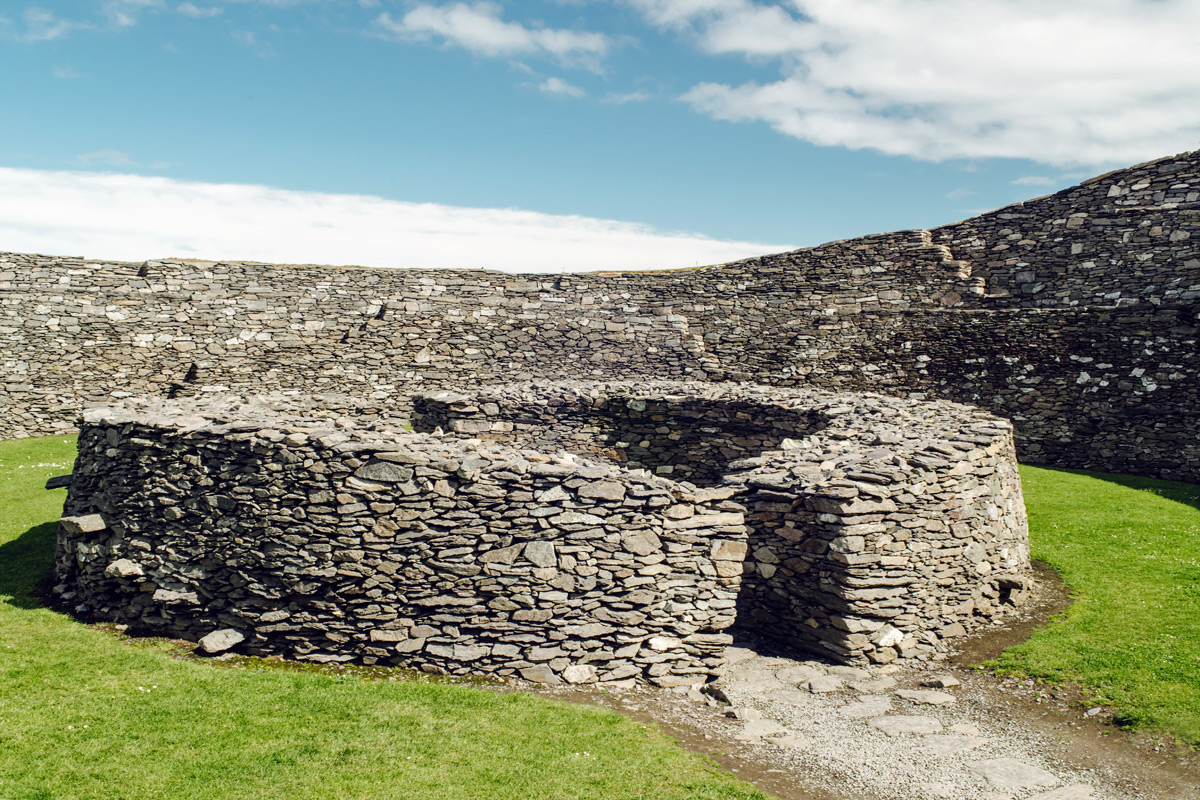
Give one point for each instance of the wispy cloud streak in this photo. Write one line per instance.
(132, 218)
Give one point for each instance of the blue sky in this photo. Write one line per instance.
(563, 134)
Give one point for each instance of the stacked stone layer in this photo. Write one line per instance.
(1075, 315)
(875, 526)
(553, 544)
(312, 539)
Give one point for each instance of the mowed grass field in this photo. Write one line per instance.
(84, 715)
(1129, 549)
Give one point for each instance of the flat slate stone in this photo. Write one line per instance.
(1009, 773)
(756, 681)
(823, 684)
(59, 482)
(790, 697)
(540, 674)
(124, 568)
(736, 655)
(798, 674)
(603, 490)
(925, 696)
(941, 682)
(540, 553)
(874, 685)
(89, 523)
(947, 744)
(760, 728)
(579, 673)
(222, 640)
(384, 472)
(852, 673)
(894, 726)
(864, 707)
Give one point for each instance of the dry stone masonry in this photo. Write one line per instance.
(571, 532)
(1075, 315)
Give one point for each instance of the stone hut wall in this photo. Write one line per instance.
(1022, 300)
(688, 436)
(304, 539)
(884, 528)
(876, 527)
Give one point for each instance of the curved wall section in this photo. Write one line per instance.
(875, 526)
(295, 536)
(1076, 315)
(556, 543)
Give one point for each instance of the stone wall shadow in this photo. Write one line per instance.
(25, 564)
(780, 586)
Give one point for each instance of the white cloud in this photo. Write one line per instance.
(638, 96)
(250, 40)
(45, 26)
(66, 73)
(1067, 83)
(1034, 180)
(682, 13)
(192, 10)
(561, 87)
(733, 26)
(478, 27)
(132, 218)
(125, 13)
(106, 158)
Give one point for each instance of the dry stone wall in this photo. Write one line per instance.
(1125, 238)
(555, 543)
(1112, 389)
(309, 537)
(1016, 310)
(874, 526)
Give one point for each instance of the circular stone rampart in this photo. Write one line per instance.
(565, 532)
(875, 527)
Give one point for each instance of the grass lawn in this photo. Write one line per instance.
(1129, 548)
(83, 715)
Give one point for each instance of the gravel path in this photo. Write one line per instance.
(806, 729)
(893, 733)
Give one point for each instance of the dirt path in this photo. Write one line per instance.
(805, 730)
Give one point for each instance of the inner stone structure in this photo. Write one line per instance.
(570, 531)
(689, 432)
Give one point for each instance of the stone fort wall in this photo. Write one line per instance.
(573, 532)
(1075, 315)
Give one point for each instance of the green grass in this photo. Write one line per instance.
(85, 715)
(1129, 549)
